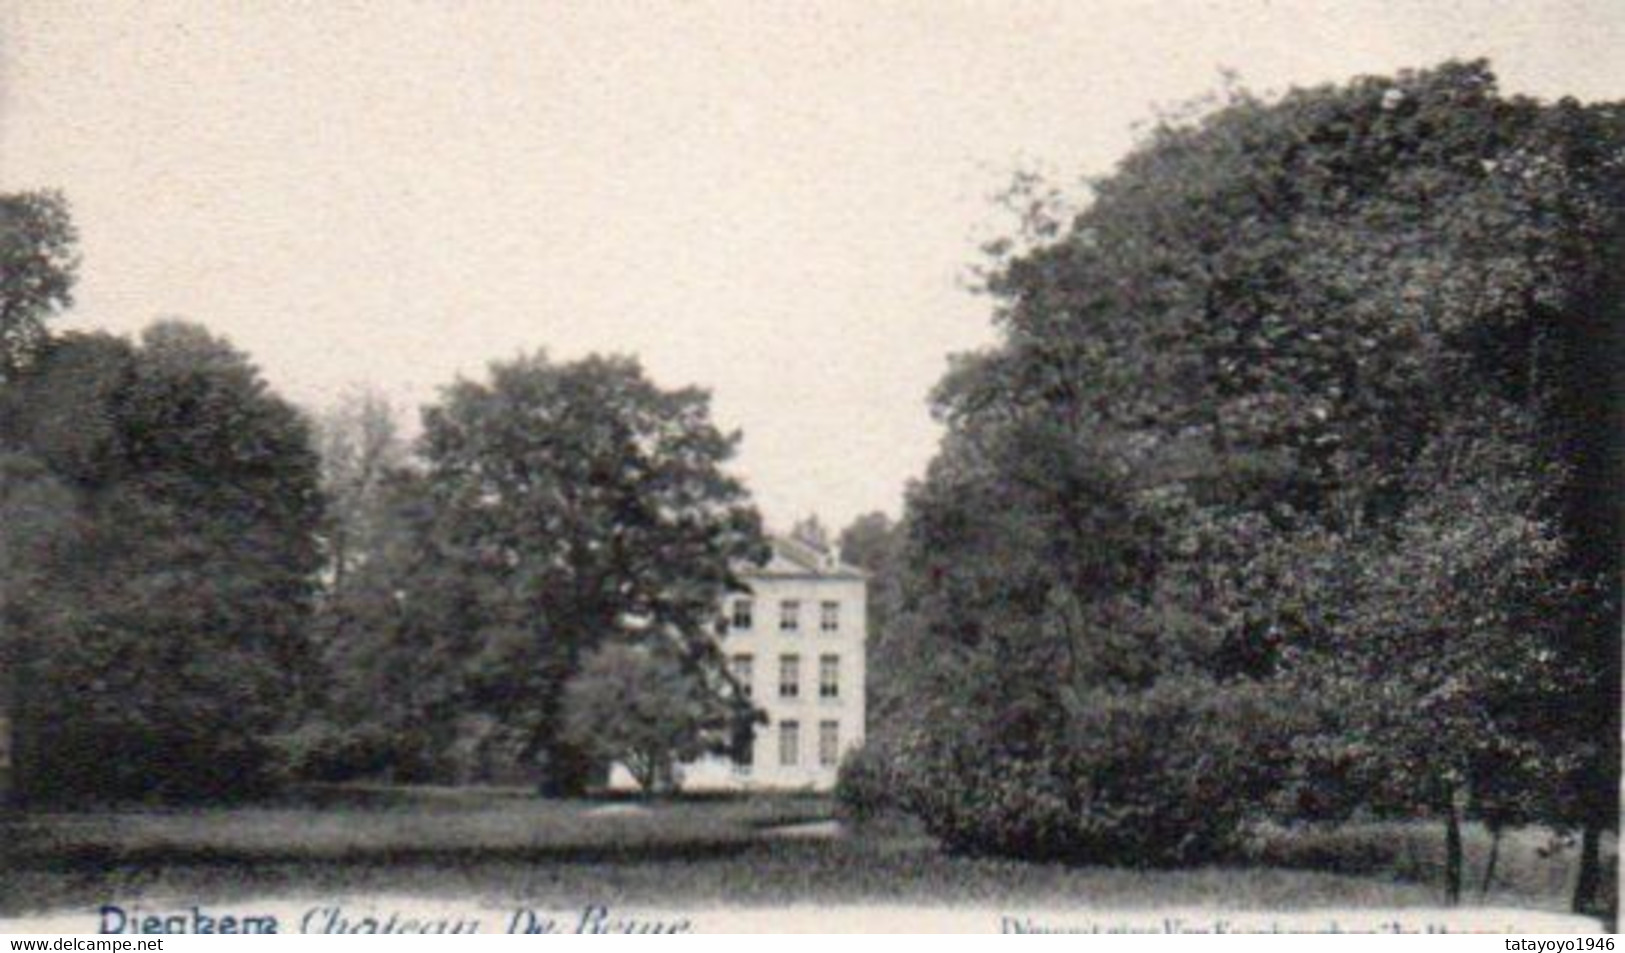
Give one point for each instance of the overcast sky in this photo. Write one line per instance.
(775, 201)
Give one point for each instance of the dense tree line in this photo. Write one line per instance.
(553, 512)
(159, 514)
(203, 594)
(1291, 489)
(158, 508)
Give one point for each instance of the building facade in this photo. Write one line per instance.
(796, 641)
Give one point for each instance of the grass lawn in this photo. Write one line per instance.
(510, 847)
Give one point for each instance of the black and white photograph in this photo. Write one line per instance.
(933, 466)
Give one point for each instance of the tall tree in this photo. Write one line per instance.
(360, 445)
(395, 641)
(871, 543)
(1274, 322)
(38, 262)
(811, 530)
(167, 638)
(1433, 649)
(584, 505)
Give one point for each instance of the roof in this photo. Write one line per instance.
(797, 558)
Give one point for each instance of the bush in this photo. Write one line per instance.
(868, 783)
(326, 753)
(639, 706)
(1161, 777)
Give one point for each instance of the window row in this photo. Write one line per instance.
(829, 675)
(741, 615)
(789, 736)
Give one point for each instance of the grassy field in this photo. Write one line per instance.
(511, 847)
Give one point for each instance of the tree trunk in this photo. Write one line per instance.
(644, 774)
(1489, 866)
(567, 770)
(1452, 853)
(1590, 877)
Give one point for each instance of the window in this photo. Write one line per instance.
(745, 757)
(829, 676)
(789, 743)
(829, 743)
(790, 615)
(789, 676)
(744, 670)
(829, 616)
(742, 615)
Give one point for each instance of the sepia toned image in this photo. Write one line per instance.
(1094, 466)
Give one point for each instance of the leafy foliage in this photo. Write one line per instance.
(559, 508)
(361, 448)
(172, 549)
(640, 707)
(38, 265)
(1302, 402)
(867, 784)
(872, 542)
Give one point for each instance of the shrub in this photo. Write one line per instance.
(326, 753)
(1165, 776)
(868, 784)
(639, 706)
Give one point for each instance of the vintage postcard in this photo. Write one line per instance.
(1031, 466)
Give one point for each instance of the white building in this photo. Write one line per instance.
(796, 640)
